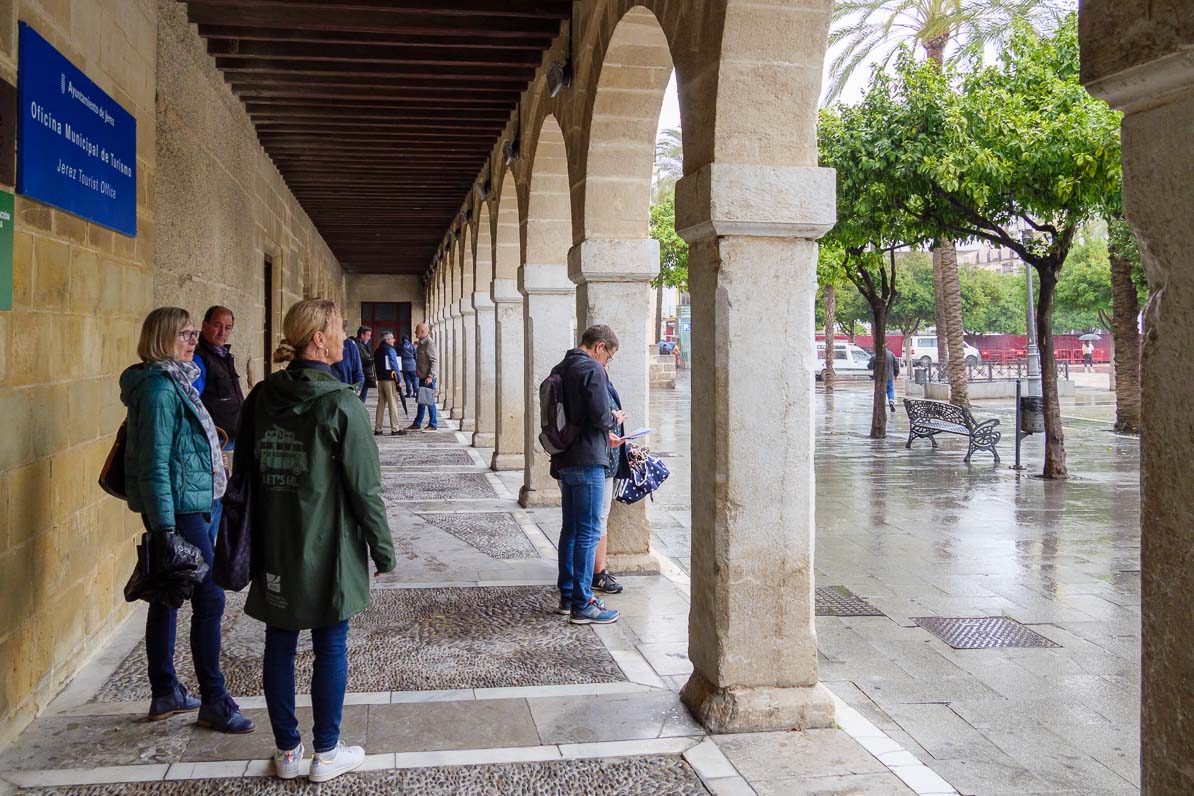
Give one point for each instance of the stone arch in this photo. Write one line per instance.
(483, 272)
(633, 78)
(508, 238)
(548, 221)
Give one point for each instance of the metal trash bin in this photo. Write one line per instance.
(920, 375)
(1032, 414)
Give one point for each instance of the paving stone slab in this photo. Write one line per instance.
(440, 486)
(417, 438)
(496, 534)
(630, 776)
(98, 741)
(410, 640)
(409, 458)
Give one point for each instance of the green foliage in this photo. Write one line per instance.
(1083, 299)
(669, 163)
(993, 303)
(915, 302)
(673, 251)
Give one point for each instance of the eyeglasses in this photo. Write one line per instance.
(191, 336)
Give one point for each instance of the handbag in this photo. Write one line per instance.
(647, 474)
(232, 568)
(426, 396)
(112, 477)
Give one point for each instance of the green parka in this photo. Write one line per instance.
(168, 468)
(317, 509)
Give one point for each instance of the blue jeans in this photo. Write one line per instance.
(432, 421)
(364, 392)
(412, 383)
(207, 606)
(581, 491)
(891, 390)
(329, 681)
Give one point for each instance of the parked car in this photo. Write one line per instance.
(924, 351)
(848, 360)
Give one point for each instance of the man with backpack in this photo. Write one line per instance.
(577, 420)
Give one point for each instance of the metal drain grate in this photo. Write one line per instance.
(982, 632)
(840, 601)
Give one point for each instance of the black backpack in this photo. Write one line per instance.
(556, 434)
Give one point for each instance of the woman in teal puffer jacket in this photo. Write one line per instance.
(173, 474)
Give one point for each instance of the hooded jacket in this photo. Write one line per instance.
(408, 356)
(168, 459)
(318, 515)
(588, 408)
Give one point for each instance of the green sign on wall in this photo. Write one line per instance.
(6, 222)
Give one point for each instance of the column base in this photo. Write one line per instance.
(507, 461)
(538, 497)
(632, 563)
(468, 424)
(484, 439)
(456, 414)
(764, 709)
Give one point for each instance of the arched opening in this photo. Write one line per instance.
(468, 330)
(548, 296)
(508, 327)
(485, 331)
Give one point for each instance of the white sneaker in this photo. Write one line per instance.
(289, 764)
(341, 760)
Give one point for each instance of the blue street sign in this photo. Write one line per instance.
(76, 147)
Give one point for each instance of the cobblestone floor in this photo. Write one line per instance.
(917, 533)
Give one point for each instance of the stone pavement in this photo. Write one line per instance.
(461, 680)
(917, 533)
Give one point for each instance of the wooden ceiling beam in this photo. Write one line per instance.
(258, 15)
(332, 9)
(235, 65)
(535, 44)
(378, 54)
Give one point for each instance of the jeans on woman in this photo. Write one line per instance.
(207, 609)
(412, 383)
(328, 684)
(581, 491)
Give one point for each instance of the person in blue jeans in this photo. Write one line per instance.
(409, 380)
(427, 374)
(174, 476)
(893, 370)
(580, 469)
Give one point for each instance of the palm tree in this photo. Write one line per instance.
(669, 163)
(873, 30)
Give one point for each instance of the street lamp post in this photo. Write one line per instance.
(1033, 353)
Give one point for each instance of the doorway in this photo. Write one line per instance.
(387, 316)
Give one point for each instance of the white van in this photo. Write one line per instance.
(848, 360)
(924, 351)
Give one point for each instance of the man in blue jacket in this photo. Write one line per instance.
(349, 370)
(580, 469)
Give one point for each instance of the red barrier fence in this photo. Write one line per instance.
(1001, 347)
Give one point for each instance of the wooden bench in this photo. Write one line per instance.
(926, 419)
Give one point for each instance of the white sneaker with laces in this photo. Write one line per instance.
(331, 764)
(289, 764)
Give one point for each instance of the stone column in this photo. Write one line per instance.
(456, 410)
(509, 349)
(752, 275)
(1137, 56)
(548, 307)
(468, 364)
(485, 397)
(613, 287)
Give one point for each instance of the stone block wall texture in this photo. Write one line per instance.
(80, 292)
(383, 287)
(221, 204)
(210, 207)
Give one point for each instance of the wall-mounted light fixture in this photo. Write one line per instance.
(559, 75)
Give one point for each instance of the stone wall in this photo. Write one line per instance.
(210, 208)
(222, 207)
(383, 287)
(80, 292)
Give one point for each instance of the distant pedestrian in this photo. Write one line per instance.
(174, 474)
(676, 354)
(426, 362)
(409, 367)
(319, 519)
(581, 470)
(219, 384)
(365, 349)
(1087, 356)
(349, 369)
(893, 371)
(385, 361)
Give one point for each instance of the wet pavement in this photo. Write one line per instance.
(918, 534)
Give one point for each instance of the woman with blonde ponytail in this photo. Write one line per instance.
(318, 518)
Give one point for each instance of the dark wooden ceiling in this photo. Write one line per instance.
(379, 113)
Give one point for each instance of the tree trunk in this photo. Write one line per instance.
(879, 408)
(951, 289)
(1125, 340)
(658, 313)
(939, 310)
(1054, 436)
(830, 322)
